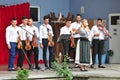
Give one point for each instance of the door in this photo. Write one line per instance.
(115, 43)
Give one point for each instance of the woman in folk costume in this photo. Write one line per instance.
(83, 53)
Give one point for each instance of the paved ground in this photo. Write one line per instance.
(111, 72)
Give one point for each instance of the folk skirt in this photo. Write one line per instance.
(83, 52)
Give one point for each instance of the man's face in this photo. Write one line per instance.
(25, 21)
(99, 23)
(78, 18)
(68, 23)
(14, 23)
(30, 22)
(46, 21)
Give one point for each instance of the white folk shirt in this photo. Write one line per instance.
(65, 30)
(94, 31)
(23, 32)
(43, 31)
(32, 28)
(11, 34)
(76, 26)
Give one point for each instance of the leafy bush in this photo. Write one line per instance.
(22, 74)
(63, 69)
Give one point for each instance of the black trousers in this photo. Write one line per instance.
(21, 55)
(36, 52)
(98, 46)
(51, 52)
(66, 46)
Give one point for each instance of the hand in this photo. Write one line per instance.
(73, 29)
(9, 47)
(96, 35)
(41, 45)
(49, 34)
(77, 31)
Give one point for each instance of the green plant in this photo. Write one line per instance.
(110, 52)
(63, 69)
(22, 74)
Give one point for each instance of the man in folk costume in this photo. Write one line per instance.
(75, 26)
(34, 39)
(46, 32)
(98, 33)
(24, 35)
(11, 40)
(63, 31)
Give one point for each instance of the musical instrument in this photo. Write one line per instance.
(72, 44)
(34, 40)
(105, 31)
(51, 42)
(19, 46)
(75, 30)
(27, 42)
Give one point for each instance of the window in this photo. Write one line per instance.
(114, 19)
(35, 13)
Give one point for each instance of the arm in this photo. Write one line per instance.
(37, 32)
(61, 31)
(7, 38)
(94, 33)
(78, 30)
(74, 30)
(40, 36)
(51, 30)
(105, 31)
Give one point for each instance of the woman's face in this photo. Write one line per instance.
(85, 23)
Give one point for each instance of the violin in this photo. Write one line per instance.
(72, 41)
(27, 42)
(51, 42)
(105, 31)
(34, 40)
(19, 46)
(75, 30)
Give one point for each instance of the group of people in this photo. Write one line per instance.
(83, 37)
(87, 42)
(23, 39)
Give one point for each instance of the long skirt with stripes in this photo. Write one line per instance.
(83, 52)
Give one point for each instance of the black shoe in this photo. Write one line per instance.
(85, 70)
(31, 68)
(77, 66)
(82, 69)
(101, 66)
(38, 68)
(47, 68)
(11, 69)
(92, 66)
